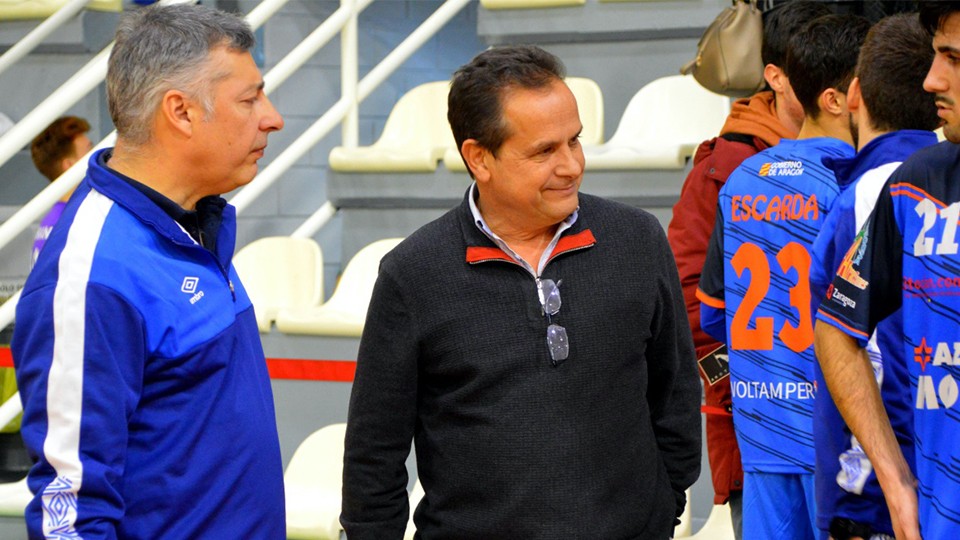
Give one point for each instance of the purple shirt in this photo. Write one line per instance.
(45, 227)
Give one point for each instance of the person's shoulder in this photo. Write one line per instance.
(723, 156)
(600, 211)
(750, 168)
(943, 157)
(931, 172)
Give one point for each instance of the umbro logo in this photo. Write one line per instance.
(189, 286)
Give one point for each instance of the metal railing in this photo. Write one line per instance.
(36, 36)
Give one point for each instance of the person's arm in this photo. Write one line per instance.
(849, 376)
(713, 320)
(381, 418)
(673, 390)
(689, 233)
(710, 292)
(80, 360)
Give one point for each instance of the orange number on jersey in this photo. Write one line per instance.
(760, 338)
(750, 257)
(797, 338)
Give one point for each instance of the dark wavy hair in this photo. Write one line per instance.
(894, 61)
(824, 55)
(474, 106)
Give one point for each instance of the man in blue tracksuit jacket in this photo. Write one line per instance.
(147, 403)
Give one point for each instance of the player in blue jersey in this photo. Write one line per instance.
(892, 117)
(755, 289)
(906, 258)
(146, 399)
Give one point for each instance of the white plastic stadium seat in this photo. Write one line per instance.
(346, 311)
(312, 484)
(662, 126)
(280, 272)
(14, 498)
(41, 9)
(719, 525)
(589, 104)
(414, 138)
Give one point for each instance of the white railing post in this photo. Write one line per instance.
(263, 11)
(36, 36)
(322, 127)
(77, 86)
(10, 409)
(316, 221)
(310, 45)
(407, 47)
(349, 58)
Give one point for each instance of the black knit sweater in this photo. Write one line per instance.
(454, 356)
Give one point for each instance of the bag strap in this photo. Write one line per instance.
(740, 138)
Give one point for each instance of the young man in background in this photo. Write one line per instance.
(755, 285)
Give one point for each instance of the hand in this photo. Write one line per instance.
(902, 502)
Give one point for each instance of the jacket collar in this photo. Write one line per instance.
(887, 148)
(125, 194)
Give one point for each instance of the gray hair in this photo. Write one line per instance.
(160, 48)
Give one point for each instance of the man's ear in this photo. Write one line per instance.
(475, 156)
(179, 112)
(775, 77)
(854, 97)
(66, 163)
(833, 102)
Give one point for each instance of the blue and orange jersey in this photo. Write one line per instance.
(907, 259)
(845, 482)
(755, 292)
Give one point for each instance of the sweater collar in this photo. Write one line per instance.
(480, 248)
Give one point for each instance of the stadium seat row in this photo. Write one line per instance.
(661, 128)
(284, 278)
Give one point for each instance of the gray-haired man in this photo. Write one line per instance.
(146, 396)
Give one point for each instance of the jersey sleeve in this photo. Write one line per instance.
(823, 253)
(866, 287)
(80, 370)
(710, 292)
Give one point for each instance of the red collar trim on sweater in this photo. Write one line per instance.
(477, 254)
(580, 240)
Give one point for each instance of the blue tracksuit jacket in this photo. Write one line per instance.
(147, 402)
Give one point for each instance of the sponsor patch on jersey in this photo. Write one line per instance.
(937, 388)
(840, 298)
(781, 168)
(854, 255)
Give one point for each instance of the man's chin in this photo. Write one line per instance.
(952, 133)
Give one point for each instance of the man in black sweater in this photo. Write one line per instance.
(533, 342)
